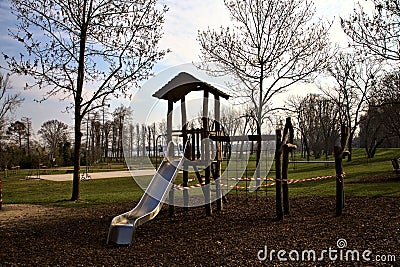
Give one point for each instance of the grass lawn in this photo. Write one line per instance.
(18, 190)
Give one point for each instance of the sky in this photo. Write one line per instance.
(182, 22)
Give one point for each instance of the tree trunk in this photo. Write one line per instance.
(278, 179)
(350, 146)
(338, 149)
(339, 181)
(77, 158)
(258, 156)
(78, 108)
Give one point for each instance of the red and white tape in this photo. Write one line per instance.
(291, 181)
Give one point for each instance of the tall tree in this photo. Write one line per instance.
(387, 97)
(271, 46)
(372, 130)
(87, 51)
(355, 76)
(378, 33)
(230, 121)
(120, 115)
(54, 133)
(8, 102)
(317, 122)
(17, 131)
(28, 125)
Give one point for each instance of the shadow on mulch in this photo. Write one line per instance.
(385, 178)
(232, 237)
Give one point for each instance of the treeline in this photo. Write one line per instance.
(19, 145)
(109, 136)
(373, 118)
(105, 137)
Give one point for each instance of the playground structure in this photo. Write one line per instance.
(122, 226)
(203, 150)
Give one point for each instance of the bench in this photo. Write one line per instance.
(396, 167)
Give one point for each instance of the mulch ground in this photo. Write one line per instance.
(233, 237)
(387, 178)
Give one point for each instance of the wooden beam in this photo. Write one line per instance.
(278, 179)
(185, 174)
(169, 120)
(206, 156)
(339, 152)
(170, 153)
(218, 166)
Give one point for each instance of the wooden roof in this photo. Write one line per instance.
(184, 83)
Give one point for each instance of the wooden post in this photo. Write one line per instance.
(278, 180)
(169, 123)
(217, 177)
(170, 151)
(339, 153)
(193, 154)
(285, 172)
(185, 175)
(206, 156)
(198, 154)
(287, 147)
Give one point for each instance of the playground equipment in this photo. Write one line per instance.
(122, 226)
(197, 153)
(284, 145)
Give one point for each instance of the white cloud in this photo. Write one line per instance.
(182, 23)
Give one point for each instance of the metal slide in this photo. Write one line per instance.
(123, 226)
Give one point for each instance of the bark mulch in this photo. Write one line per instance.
(233, 237)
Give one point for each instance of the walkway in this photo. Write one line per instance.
(96, 175)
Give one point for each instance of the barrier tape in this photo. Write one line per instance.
(291, 181)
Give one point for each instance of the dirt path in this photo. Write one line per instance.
(12, 213)
(97, 175)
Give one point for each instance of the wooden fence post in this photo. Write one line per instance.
(278, 180)
(285, 173)
(340, 153)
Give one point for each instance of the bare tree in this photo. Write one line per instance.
(230, 121)
(8, 102)
(143, 138)
(131, 136)
(86, 51)
(106, 139)
(271, 46)
(372, 130)
(95, 137)
(28, 124)
(120, 116)
(388, 99)
(355, 77)
(138, 138)
(317, 122)
(378, 33)
(161, 130)
(54, 133)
